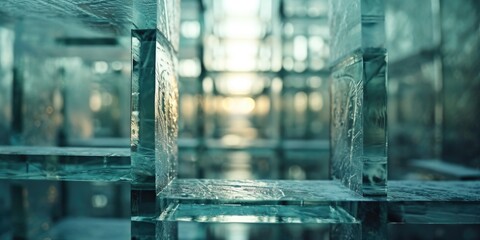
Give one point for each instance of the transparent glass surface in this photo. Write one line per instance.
(37, 209)
(65, 163)
(143, 105)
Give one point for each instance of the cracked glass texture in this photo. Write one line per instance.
(225, 191)
(166, 112)
(358, 133)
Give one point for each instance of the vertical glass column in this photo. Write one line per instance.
(143, 199)
(358, 92)
(143, 134)
(143, 105)
(154, 112)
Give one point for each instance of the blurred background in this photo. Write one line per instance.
(254, 103)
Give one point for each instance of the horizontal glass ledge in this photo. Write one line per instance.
(314, 144)
(232, 213)
(262, 191)
(446, 170)
(432, 202)
(65, 163)
(434, 191)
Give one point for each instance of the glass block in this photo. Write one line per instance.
(359, 147)
(65, 163)
(154, 108)
(143, 105)
(358, 132)
(213, 204)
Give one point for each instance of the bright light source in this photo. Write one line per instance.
(95, 101)
(245, 8)
(316, 101)
(189, 68)
(300, 102)
(238, 105)
(117, 65)
(190, 29)
(300, 48)
(100, 67)
(99, 201)
(239, 84)
(241, 28)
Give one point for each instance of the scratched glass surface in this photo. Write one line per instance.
(347, 123)
(257, 191)
(166, 112)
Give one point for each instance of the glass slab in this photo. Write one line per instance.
(65, 163)
(235, 213)
(429, 202)
(223, 191)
